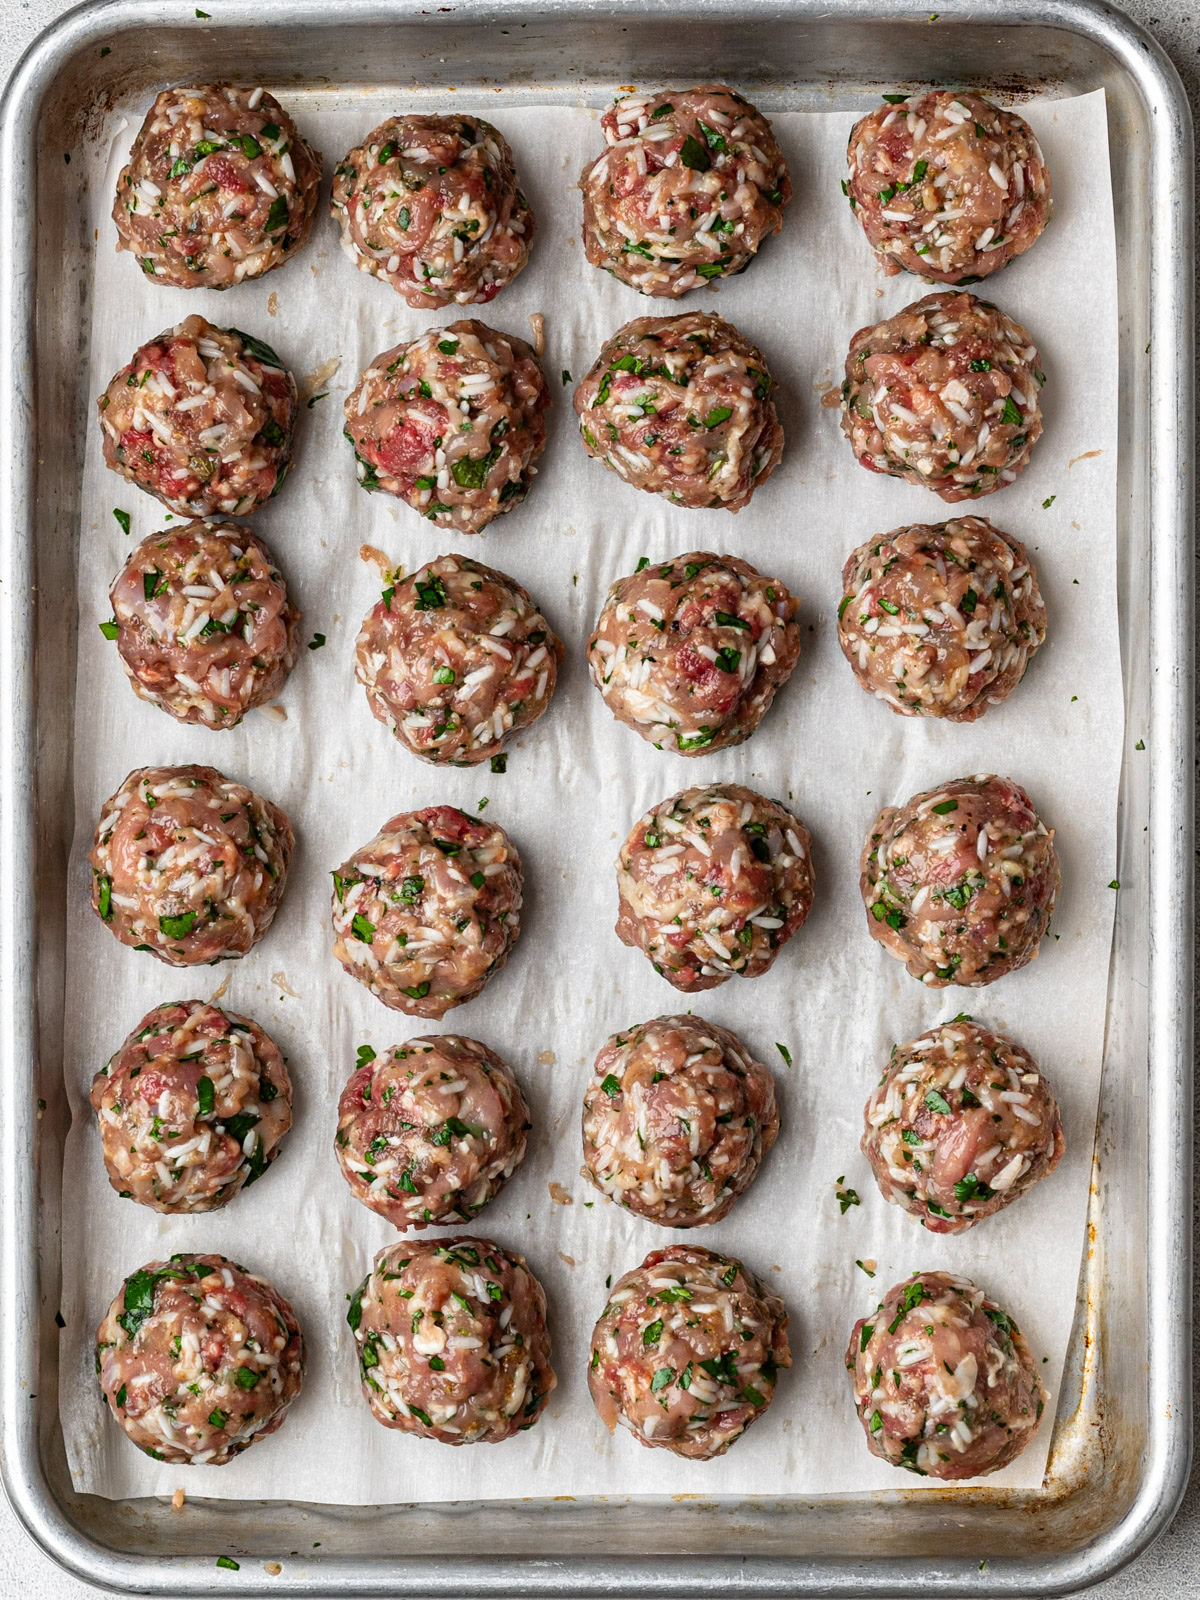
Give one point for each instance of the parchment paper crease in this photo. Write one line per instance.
(574, 786)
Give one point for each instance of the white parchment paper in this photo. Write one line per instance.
(574, 786)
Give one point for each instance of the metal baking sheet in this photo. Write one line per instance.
(1119, 1458)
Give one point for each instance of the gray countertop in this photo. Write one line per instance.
(1170, 1569)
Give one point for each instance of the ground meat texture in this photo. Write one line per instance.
(452, 423)
(713, 882)
(430, 1131)
(960, 883)
(960, 1124)
(192, 1107)
(689, 652)
(188, 864)
(944, 1381)
(690, 184)
(202, 418)
(941, 620)
(219, 188)
(947, 185)
(452, 1341)
(677, 1117)
(203, 623)
(456, 659)
(432, 206)
(686, 1352)
(681, 406)
(198, 1358)
(944, 394)
(425, 913)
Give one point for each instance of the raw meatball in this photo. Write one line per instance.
(428, 910)
(960, 1124)
(689, 652)
(944, 394)
(201, 418)
(192, 1107)
(690, 185)
(947, 185)
(686, 1351)
(941, 620)
(219, 188)
(203, 623)
(681, 406)
(452, 423)
(429, 1131)
(713, 882)
(944, 1381)
(198, 1359)
(432, 206)
(677, 1117)
(456, 659)
(188, 864)
(452, 1341)
(960, 883)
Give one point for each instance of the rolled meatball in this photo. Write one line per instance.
(188, 864)
(947, 185)
(689, 652)
(686, 1351)
(219, 187)
(198, 1359)
(451, 423)
(944, 394)
(202, 418)
(430, 1131)
(677, 1117)
(960, 882)
(941, 620)
(428, 910)
(690, 184)
(432, 206)
(452, 1341)
(203, 623)
(192, 1107)
(712, 883)
(960, 1124)
(944, 1381)
(456, 659)
(681, 406)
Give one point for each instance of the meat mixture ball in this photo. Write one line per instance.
(452, 423)
(199, 1358)
(960, 1124)
(201, 418)
(681, 406)
(947, 185)
(686, 1351)
(203, 623)
(689, 652)
(429, 1131)
(456, 659)
(188, 864)
(452, 1341)
(713, 882)
(960, 883)
(942, 619)
(944, 394)
(690, 184)
(428, 910)
(677, 1117)
(219, 188)
(432, 206)
(192, 1107)
(944, 1381)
